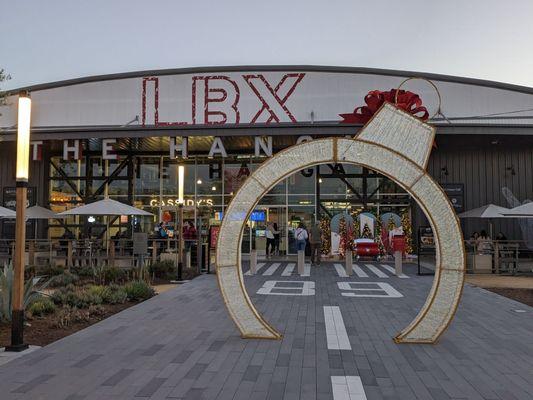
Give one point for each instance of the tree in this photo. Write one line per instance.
(325, 235)
(343, 239)
(3, 77)
(379, 235)
(346, 237)
(367, 233)
(407, 231)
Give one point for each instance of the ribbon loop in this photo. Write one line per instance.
(404, 100)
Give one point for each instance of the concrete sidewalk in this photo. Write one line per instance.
(182, 345)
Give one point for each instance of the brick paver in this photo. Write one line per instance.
(182, 345)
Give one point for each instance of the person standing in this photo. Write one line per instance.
(315, 241)
(189, 235)
(277, 235)
(301, 237)
(269, 233)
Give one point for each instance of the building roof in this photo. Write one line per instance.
(257, 97)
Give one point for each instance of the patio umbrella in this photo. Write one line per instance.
(105, 207)
(487, 211)
(38, 212)
(523, 211)
(7, 213)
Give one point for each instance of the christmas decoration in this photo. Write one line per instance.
(346, 234)
(390, 224)
(379, 236)
(367, 233)
(342, 234)
(406, 225)
(407, 101)
(356, 224)
(325, 236)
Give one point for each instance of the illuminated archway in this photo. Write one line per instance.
(394, 144)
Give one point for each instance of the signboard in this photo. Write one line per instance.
(240, 96)
(258, 216)
(455, 192)
(9, 199)
(140, 243)
(426, 239)
(213, 235)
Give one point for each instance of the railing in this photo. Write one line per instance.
(498, 256)
(114, 252)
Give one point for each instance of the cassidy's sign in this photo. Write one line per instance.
(179, 147)
(187, 202)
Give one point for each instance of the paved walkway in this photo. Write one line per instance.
(182, 345)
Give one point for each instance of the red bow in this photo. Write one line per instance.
(407, 101)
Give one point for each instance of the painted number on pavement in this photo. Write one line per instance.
(368, 289)
(288, 288)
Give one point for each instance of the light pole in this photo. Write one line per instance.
(22, 173)
(181, 200)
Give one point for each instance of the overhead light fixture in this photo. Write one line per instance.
(91, 220)
(213, 188)
(23, 138)
(199, 182)
(181, 183)
(319, 180)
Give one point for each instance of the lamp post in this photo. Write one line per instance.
(22, 173)
(181, 200)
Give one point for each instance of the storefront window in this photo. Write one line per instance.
(147, 176)
(209, 178)
(235, 174)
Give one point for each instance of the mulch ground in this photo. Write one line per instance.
(43, 330)
(524, 296)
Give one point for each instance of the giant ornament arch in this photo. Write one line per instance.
(397, 145)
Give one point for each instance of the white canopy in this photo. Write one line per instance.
(7, 213)
(487, 211)
(105, 207)
(38, 212)
(525, 210)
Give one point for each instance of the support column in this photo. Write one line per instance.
(398, 262)
(301, 262)
(349, 263)
(253, 262)
(17, 316)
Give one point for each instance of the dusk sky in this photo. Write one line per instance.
(44, 41)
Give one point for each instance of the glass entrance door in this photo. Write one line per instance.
(295, 215)
(254, 231)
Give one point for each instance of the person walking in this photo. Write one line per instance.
(271, 239)
(315, 241)
(301, 237)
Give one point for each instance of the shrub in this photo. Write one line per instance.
(84, 272)
(32, 287)
(138, 290)
(41, 307)
(113, 275)
(189, 273)
(163, 269)
(50, 269)
(69, 315)
(116, 295)
(112, 294)
(64, 279)
(76, 297)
